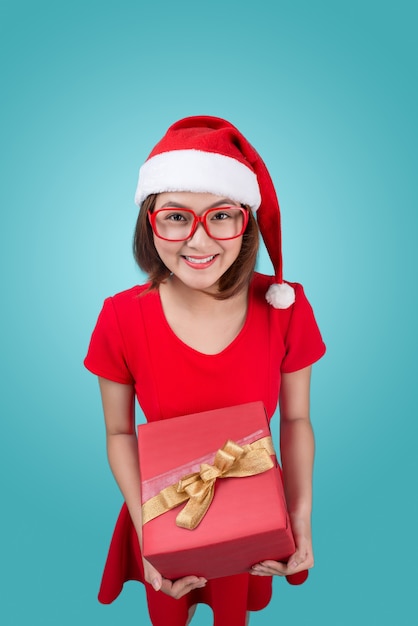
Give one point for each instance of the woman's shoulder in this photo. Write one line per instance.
(127, 301)
(261, 283)
(129, 294)
(300, 307)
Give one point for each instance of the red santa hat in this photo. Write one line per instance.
(209, 155)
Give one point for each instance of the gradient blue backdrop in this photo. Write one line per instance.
(327, 92)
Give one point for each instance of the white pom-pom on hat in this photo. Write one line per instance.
(208, 154)
(280, 296)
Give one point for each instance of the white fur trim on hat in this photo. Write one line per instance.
(280, 296)
(200, 172)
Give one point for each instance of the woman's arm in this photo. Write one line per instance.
(122, 450)
(297, 456)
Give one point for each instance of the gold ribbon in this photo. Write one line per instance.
(231, 461)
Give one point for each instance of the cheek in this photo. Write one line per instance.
(160, 245)
(234, 248)
(165, 249)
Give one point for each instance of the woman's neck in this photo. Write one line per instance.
(200, 301)
(201, 321)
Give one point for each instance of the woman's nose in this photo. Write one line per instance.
(200, 233)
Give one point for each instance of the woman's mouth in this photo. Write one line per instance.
(200, 262)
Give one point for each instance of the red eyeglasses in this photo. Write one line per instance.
(179, 224)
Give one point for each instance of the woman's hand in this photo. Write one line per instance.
(177, 588)
(302, 559)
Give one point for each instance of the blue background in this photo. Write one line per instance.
(327, 93)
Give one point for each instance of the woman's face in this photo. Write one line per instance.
(200, 261)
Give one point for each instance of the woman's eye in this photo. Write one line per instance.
(220, 215)
(175, 217)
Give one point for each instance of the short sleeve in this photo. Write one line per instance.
(106, 356)
(303, 340)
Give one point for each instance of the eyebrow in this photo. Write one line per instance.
(179, 205)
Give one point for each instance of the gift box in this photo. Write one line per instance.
(221, 467)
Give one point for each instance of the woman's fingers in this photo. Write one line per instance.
(269, 568)
(152, 576)
(180, 587)
(176, 588)
(296, 563)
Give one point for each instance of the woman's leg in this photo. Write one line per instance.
(192, 611)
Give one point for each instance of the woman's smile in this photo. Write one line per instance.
(200, 263)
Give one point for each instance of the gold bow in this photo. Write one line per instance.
(231, 461)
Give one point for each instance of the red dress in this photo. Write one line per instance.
(132, 343)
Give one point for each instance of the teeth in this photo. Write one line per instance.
(197, 261)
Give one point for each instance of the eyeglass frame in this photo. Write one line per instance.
(198, 219)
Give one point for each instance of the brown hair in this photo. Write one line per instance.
(235, 278)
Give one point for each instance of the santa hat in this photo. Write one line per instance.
(209, 155)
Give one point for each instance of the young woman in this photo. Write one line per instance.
(205, 332)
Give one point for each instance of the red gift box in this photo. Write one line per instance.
(247, 521)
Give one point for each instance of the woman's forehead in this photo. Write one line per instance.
(191, 200)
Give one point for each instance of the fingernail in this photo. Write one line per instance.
(156, 584)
